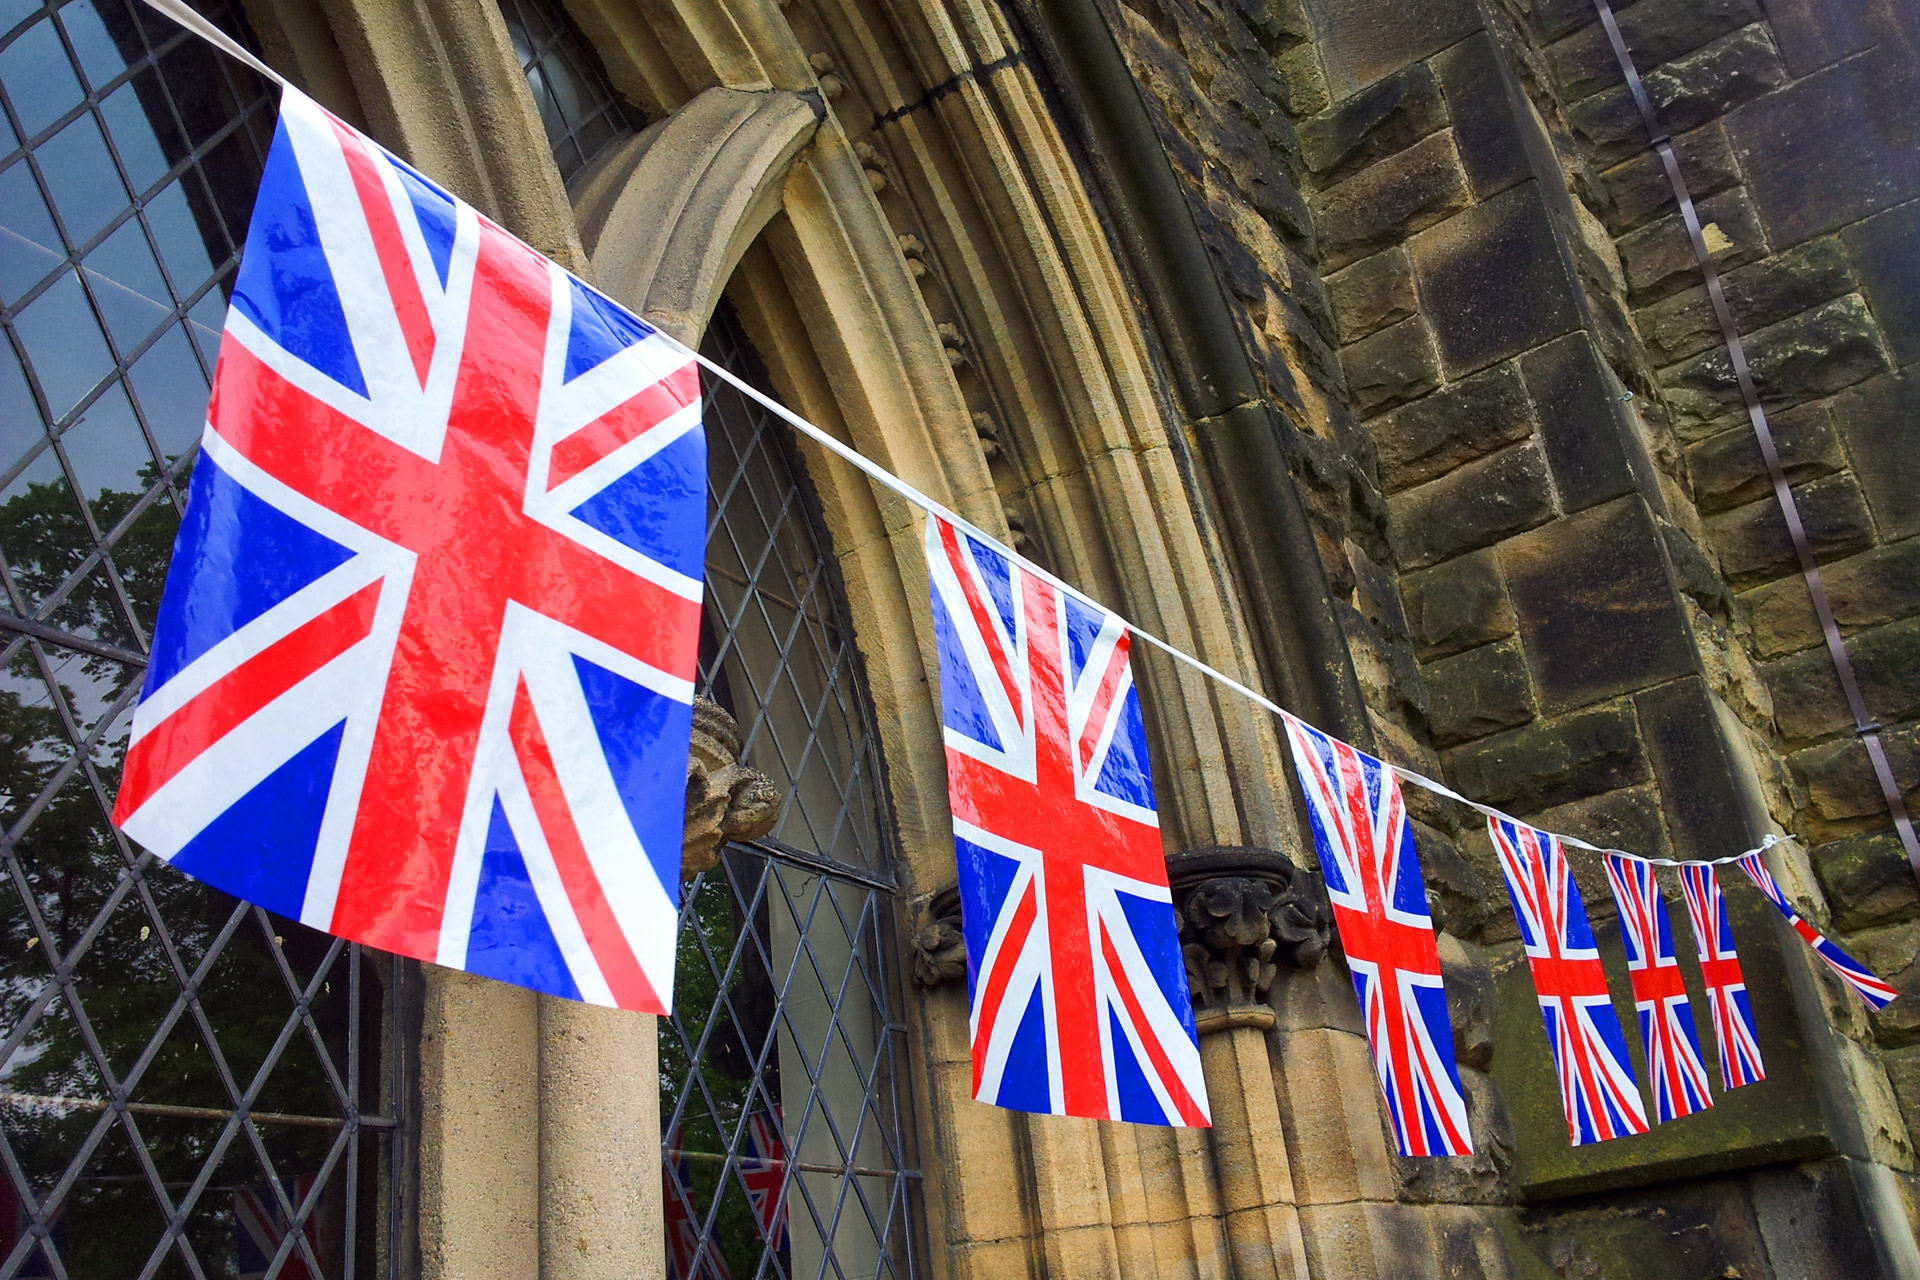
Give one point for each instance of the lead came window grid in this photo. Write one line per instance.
(189, 1086)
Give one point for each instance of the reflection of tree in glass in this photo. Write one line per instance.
(742, 1027)
(73, 865)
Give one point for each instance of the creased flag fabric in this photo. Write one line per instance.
(1372, 873)
(1864, 982)
(1675, 1072)
(1597, 1087)
(422, 672)
(1720, 973)
(1077, 991)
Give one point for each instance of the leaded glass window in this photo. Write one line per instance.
(787, 1149)
(189, 1086)
(580, 110)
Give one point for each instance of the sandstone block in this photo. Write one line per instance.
(1381, 119)
(1597, 610)
(1489, 120)
(1391, 367)
(1813, 354)
(1588, 431)
(1430, 437)
(1637, 188)
(1893, 952)
(1839, 779)
(1814, 33)
(1477, 504)
(1457, 605)
(1760, 294)
(1631, 819)
(1886, 255)
(1686, 93)
(1878, 585)
(1480, 1178)
(1363, 40)
(1867, 880)
(1727, 470)
(1372, 293)
(1458, 895)
(1655, 30)
(1877, 420)
(1752, 540)
(1494, 281)
(1552, 762)
(1807, 702)
(1383, 202)
(1831, 148)
(1477, 692)
(1658, 258)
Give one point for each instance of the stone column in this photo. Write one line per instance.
(1243, 913)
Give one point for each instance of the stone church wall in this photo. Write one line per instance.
(1562, 574)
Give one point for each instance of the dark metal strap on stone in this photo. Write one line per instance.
(1866, 728)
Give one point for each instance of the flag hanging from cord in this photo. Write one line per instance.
(1674, 1068)
(1862, 980)
(1597, 1088)
(1372, 874)
(1720, 973)
(422, 673)
(1077, 992)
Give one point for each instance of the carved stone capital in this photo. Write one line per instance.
(726, 799)
(939, 948)
(1244, 912)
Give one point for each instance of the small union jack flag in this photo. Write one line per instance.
(1077, 989)
(763, 1170)
(422, 672)
(261, 1231)
(1372, 871)
(1865, 984)
(1589, 1050)
(1678, 1076)
(1720, 973)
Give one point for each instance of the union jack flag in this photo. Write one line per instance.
(1678, 1076)
(763, 1170)
(261, 1230)
(687, 1259)
(1720, 973)
(1589, 1050)
(1372, 871)
(1862, 980)
(422, 670)
(1078, 995)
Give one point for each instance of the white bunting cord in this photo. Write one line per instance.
(193, 21)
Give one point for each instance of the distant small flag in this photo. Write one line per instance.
(1720, 972)
(1674, 1068)
(1597, 1087)
(1876, 993)
(763, 1168)
(261, 1228)
(687, 1257)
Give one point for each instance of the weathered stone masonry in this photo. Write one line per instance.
(1563, 576)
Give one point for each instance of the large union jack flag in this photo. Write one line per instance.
(1726, 986)
(1372, 872)
(422, 670)
(1077, 989)
(1862, 980)
(1589, 1050)
(1678, 1076)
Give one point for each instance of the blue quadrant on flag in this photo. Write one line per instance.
(422, 674)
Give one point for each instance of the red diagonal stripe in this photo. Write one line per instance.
(982, 617)
(223, 706)
(1182, 1100)
(1011, 947)
(605, 938)
(396, 264)
(1103, 700)
(624, 423)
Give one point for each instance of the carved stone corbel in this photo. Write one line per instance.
(939, 947)
(1243, 912)
(726, 799)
